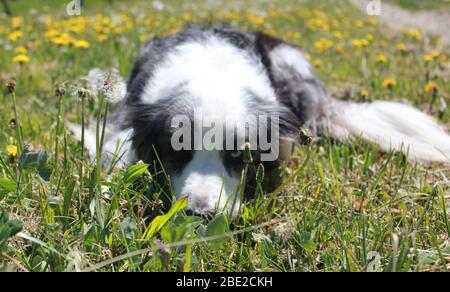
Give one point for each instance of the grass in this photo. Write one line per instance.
(416, 5)
(337, 207)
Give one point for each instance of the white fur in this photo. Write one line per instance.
(392, 126)
(207, 183)
(215, 72)
(286, 57)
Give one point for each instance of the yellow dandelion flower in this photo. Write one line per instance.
(381, 58)
(428, 58)
(435, 54)
(317, 63)
(338, 35)
(414, 33)
(21, 59)
(16, 22)
(51, 33)
(360, 43)
(364, 93)
(323, 45)
(82, 44)
(101, 38)
(20, 51)
(359, 24)
(373, 21)
(389, 83)
(340, 50)
(12, 150)
(77, 29)
(63, 40)
(370, 37)
(318, 23)
(256, 19)
(356, 43)
(402, 47)
(60, 41)
(364, 42)
(431, 88)
(15, 35)
(118, 30)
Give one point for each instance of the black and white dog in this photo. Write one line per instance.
(225, 75)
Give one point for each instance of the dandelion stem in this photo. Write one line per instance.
(103, 108)
(81, 170)
(58, 122)
(19, 134)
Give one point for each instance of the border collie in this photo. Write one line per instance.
(230, 75)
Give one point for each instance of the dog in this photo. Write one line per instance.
(229, 74)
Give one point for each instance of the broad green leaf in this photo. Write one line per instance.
(161, 220)
(180, 228)
(218, 226)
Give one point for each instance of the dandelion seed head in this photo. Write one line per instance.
(11, 85)
(109, 84)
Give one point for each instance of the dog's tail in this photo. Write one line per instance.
(390, 125)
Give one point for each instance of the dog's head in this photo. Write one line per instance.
(205, 155)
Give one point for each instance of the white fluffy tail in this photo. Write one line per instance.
(390, 125)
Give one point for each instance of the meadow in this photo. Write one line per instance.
(333, 206)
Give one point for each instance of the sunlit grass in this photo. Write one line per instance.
(334, 207)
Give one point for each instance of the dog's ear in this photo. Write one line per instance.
(291, 75)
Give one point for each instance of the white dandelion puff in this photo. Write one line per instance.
(110, 84)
